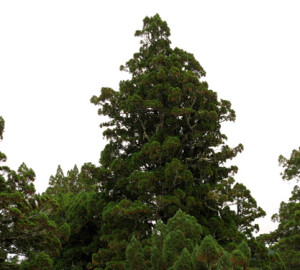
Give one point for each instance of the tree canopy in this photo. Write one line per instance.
(25, 227)
(285, 240)
(163, 196)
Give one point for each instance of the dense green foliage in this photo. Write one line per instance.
(285, 240)
(166, 150)
(287, 235)
(79, 208)
(25, 227)
(291, 166)
(181, 244)
(163, 196)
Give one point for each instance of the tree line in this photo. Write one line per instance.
(162, 197)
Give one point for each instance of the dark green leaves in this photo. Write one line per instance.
(291, 166)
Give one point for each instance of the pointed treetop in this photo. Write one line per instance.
(154, 29)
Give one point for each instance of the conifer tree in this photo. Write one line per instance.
(285, 240)
(166, 150)
(260, 257)
(169, 241)
(241, 255)
(185, 261)
(79, 212)
(25, 227)
(244, 248)
(224, 262)
(209, 251)
(134, 256)
(238, 259)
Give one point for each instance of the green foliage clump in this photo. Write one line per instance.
(78, 215)
(209, 251)
(285, 240)
(41, 261)
(25, 227)
(134, 256)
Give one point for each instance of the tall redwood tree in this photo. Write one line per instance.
(166, 150)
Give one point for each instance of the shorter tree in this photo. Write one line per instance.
(185, 261)
(80, 211)
(224, 262)
(25, 227)
(209, 251)
(135, 259)
(241, 256)
(285, 240)
(182, 231)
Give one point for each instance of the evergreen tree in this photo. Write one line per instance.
(25, 227)
(79, 212)
(286, 238)
(134, 256)
(244, 248)
(182, 232)
(184, 262)
(238, 259)
(166, 150)
(224, 262)
(241, 256)
(260, 255)
(209, 251)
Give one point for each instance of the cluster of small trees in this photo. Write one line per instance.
(162, 197)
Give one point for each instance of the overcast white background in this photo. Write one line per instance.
(55, 55)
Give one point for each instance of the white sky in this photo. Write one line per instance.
(55, 55)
